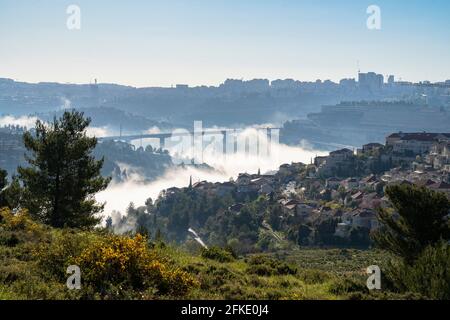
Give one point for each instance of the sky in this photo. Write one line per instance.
(203, 42)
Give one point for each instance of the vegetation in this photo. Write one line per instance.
(428, 276)
(48, 222)
(260, 224)
(34, 258)
(149, 163)
(418, 235)
(218, 254)
(62, 177)
(421, 221)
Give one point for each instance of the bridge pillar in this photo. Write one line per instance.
(224, 142)
(257, 143)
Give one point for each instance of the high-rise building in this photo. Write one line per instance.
(370, 81)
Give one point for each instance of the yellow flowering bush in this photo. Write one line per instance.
(55, 255)
(15, 222)
(21, 225)
(128, 263)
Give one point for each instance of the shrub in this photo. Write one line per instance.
(346, 285)
(56, 255)
(265, 266)
(312, 276)
(129, 264)
(218, 254)
(215, 277)
(9, 239)
(15, 222)
(19, 227)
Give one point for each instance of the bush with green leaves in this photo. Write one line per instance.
(265, 266)
(348, 285)
(218, 254)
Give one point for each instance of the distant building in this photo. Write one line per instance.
(257, 85)
(371, 147)
(370, 81)
(340, 155)
(439, 156)
(319, 160)
(236, 86)
(348, 83)
(350, 183)
(333, 183)
(284, 84)
(244, 179)
(365, 219)
(416, 143)
(337, 159)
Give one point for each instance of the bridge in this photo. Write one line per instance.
(225, 133)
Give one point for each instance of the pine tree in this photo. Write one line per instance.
(421, 221)
(63, 176)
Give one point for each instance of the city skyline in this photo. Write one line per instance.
(155, 43)
(270, 82)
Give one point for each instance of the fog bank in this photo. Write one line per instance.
(119, 195)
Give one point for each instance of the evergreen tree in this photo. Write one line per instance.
(421, 221)
(62, 177)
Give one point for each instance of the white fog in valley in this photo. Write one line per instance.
(29, 122)
(119, 195)
(21, 121)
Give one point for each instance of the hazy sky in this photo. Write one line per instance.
(152, 43)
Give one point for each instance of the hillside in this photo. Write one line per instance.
(34, 258)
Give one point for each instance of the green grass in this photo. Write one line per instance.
(318, 271)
